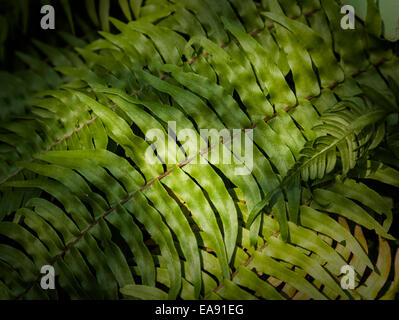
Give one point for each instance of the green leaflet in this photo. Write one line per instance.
(231, 291)
(262, 262)
(306, 83)
(320, 52)
(104, 14)
(38, 251)
(134, 238)
(68, 12)
(71, 203)
(307, 239)
(365, 195)
(191, 104)
(124, 4)
(187, 292)
(322, 223)
(156, 227)
(383, 173)
(232, 74)
(161, 37)
(119, 167)
(278, 249)
(136, 6)
(272, 79)
(215, 189)
(375, 281)
(225, 106)
(332, 202)
(91, 10)
(373, 19)
(389, 10)
(202, 212)
(250, 280)
(176, 220)
(120, 132)
(144, 292)
(394, 286)
(19, 260)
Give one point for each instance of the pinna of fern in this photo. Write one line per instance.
(322, 104)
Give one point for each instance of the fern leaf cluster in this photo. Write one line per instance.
(321, 104)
